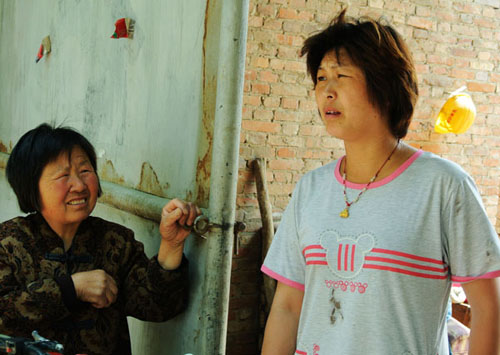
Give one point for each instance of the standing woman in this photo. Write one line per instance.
(369, 244)
(72, 277)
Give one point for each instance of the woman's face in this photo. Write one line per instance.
(68, 191)
(342, 98)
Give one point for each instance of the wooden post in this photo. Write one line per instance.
(266, 213)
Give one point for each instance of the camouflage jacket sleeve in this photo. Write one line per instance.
(25, 302)
(152, 293)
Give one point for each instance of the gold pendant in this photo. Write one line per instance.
(344, 213)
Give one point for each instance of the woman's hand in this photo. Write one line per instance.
(95, 287)
(177, 219)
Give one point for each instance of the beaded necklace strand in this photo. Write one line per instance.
(345, 211)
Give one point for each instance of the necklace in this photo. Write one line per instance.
(345, 211)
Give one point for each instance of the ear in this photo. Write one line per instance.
(365, 242)
(329, 240)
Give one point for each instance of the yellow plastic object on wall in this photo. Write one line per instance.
(456, 115)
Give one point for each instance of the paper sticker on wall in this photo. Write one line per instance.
(457, 114)
(44, 49)
(124, 28)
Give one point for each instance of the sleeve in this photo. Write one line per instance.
(25, 307)
(152, 293)
(284, 260)
(473, 246)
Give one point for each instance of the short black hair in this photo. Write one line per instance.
(380, 52)
(34, 150)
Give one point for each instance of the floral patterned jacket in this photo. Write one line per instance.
(37, 292)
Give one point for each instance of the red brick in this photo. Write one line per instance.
(286, 52)
(251, 100)
(263, 114)
(291, 26)
(287, 103)
(483, 22)
(288, 90)
(260, 62)
(460, 52)
(288, 14)
(421, 22)
(261, 88)
(273, 24)
(261, 126)
(494, 99)
(268, 76)
(312, 130)
(281, 189)
(286, 116)
(495, 77)
(286, 153)
(481, 87)
(289, 40)
(305, 16)
(422, 68)
(286, 164)
(289, 129)
(435, 148)
(277, 64)
(316, 154)
(271, 102)
(255, 21)
(250, 75)
(267, 10)
(462, 74)
(295, 66)
(440, 70)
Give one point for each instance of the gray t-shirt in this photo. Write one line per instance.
(378, 281)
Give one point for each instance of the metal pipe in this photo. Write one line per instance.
(224, 171)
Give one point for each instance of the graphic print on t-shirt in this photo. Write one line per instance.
(345, 256)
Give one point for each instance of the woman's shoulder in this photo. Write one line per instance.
(433, 165)
(322, 172)
(17, 231)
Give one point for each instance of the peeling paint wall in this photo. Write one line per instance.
(139, 101)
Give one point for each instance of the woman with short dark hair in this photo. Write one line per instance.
(72, 277)
(370, 244)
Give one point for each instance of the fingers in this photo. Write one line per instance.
(181, 212)
(194, 211)
(96, 287)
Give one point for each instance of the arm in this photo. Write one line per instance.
(157, 289)
(281, 328)
(484, 298)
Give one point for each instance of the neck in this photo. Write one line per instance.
(65, 232)
(364, 159)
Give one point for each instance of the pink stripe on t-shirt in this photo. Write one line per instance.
(406, 255)
(382, 182)
(488, 275)
(352, 256)
(311, 247)
(282, 279)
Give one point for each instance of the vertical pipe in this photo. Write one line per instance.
(224, 171)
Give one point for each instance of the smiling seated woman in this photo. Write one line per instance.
(72, 277)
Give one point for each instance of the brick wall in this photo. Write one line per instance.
(454, 43)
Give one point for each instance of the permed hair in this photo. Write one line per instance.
(33, 152)
(380, 52)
